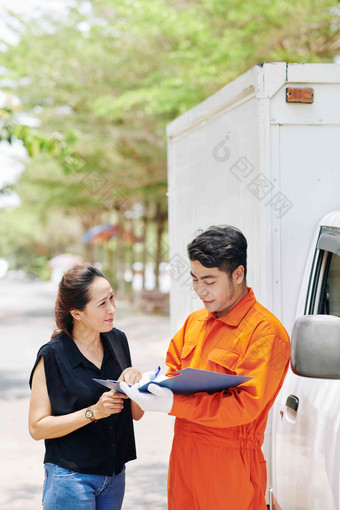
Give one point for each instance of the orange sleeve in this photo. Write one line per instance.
(266, 360)
(173, 356)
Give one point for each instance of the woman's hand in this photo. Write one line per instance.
(111, 402)
(130, 375)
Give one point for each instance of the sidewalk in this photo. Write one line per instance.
(25, 324)
(149, 336)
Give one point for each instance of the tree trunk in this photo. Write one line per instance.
(120, 256)
(132, 260)
(160, 225)
(145, 225)
(89, 221)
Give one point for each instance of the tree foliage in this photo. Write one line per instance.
(105, 77)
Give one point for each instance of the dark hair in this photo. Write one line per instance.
(224, 247)
(73, 294)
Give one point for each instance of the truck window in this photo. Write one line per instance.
(323, 296)
(330, 294)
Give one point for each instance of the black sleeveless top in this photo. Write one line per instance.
(101, 447)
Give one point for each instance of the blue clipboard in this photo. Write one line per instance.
(189, 380)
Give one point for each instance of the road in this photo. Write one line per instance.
(26, 323)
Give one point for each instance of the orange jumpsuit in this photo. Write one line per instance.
(216, 461)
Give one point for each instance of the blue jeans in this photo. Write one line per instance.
(68, 490)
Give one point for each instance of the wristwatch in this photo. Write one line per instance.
(89, 415)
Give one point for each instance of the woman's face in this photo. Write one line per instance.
(97, 315)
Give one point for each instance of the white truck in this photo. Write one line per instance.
(263, 154)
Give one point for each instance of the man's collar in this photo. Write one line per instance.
(236, 314)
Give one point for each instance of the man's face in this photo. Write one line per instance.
(216, 289)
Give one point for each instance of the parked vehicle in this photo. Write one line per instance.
(263, 154)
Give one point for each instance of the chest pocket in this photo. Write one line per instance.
(187, 354)
(222, 360)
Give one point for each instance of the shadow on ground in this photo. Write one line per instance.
(146, 487)
(13, 385)
(9, 316)
(19, 497)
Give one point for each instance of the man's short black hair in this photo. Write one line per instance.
(224, 247)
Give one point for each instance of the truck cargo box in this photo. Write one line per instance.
(263, 154)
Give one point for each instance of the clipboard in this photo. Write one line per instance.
(187, 381)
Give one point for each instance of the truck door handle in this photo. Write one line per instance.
(292, 402)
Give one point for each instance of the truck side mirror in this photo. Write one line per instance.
(315, 350)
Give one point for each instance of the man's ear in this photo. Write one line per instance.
(238, 275)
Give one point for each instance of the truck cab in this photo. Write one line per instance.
(262, 154)
(306, 414)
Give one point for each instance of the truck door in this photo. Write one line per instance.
(306, 415)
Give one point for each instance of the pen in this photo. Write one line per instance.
(158, 369)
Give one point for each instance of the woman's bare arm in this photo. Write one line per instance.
(42, 425)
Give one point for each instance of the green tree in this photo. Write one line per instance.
(106, 77)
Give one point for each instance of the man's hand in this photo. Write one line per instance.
(159, 399)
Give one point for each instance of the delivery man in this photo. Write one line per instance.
(216, 461)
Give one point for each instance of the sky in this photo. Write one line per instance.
(10, 168)
(30, 7)
(13, 156)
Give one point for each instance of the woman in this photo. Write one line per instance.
(88, 431)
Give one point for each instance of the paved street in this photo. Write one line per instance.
(26, 322)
